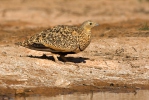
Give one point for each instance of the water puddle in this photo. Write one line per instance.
(139, 95)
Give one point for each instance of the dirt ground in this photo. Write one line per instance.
(117, 59)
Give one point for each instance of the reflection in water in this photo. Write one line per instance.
(141, 95)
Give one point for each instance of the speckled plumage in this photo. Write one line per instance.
(61, 39)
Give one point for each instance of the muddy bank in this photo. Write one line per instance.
(116, 63)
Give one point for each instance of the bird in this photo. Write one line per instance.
(61, 39)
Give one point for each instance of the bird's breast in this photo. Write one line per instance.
(84, 40)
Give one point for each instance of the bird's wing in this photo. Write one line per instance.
(57, 39)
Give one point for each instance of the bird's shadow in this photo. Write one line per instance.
(69, 59)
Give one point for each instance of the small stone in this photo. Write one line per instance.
(4, 54)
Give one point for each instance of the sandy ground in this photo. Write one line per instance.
(116, 60)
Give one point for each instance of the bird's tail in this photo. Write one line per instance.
(24, 43)
(18, 43)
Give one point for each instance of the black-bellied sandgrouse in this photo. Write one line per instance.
(61, 39)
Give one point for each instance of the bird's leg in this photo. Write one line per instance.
(63, 58)
(55, 58)
(66, 61)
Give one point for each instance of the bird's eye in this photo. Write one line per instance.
(90, 23)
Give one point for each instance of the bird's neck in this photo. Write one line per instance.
(84, 39)
(85, 31)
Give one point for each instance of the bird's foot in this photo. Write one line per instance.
(56, 59)
(60, 62)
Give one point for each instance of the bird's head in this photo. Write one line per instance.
(87, 25)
